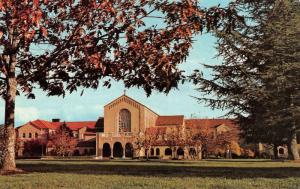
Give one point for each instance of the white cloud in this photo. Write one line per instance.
(25, 114)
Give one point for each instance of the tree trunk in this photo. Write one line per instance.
(147, 154)
(199, 152)
(275, 151)
(9, 164)
(293, 147)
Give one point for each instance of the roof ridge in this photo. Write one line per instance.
(124, 95)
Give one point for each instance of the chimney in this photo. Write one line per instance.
(56, 120)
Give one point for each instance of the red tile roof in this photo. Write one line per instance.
(210, 123)
(77, 125)
(169, 120)
(42, 124)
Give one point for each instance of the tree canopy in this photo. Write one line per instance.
(258, 81)
(61, 45)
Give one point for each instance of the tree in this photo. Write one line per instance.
(226, 142)
(258, 81)
(207, 140)
(34, 147)
(1, 142)
(62, 141)
(147, 140)
(198, 138)
(173, 138)
(64, 45)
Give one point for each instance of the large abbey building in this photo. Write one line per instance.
(125, 120)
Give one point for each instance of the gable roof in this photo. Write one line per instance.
(42, 124)
(210, 123)
(124, 95)
(169, 120)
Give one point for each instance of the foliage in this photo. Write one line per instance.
(147, 140)
(258, 81)
(209, 141)
(63, 45)
(62, 141)
(174, 137)
(226, 142)
(34, 147)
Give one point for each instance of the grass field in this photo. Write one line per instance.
(160, 175)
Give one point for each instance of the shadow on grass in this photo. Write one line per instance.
(163, 170)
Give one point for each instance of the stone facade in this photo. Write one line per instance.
(40, 130)
(113, 142)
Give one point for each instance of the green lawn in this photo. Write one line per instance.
(169, 174)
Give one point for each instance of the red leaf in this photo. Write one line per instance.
(1, 6)
(35, 3)
(44, 31)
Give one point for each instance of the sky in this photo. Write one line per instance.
(90, 106)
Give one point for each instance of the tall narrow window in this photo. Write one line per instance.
(36, 135)
(30, 135)
(24, 135)
(124, 121)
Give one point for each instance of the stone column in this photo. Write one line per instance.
(99, 154)
(123, 153)
(112, 152)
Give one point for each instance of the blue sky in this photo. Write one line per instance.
(90, 106)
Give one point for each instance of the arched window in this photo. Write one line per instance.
(152, 152)
(124, 121)
(281, 151)
(30, 135)
(24, 135)
(36, 135)
(180, 152)
(157, 152)
(168, 152)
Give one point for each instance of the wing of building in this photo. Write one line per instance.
(40, 130)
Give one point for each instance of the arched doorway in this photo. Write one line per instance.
(118, 150)
(106, 150)
(128, 150)
(180, 152)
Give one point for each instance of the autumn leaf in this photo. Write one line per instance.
(35, 4)
(44, 31)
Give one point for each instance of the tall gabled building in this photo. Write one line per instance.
(125, 119)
